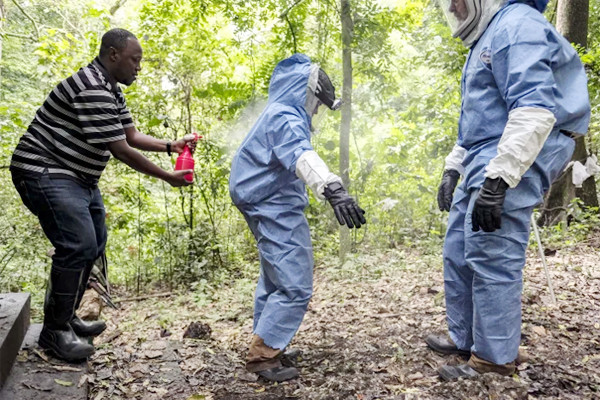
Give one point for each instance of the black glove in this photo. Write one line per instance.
(446, 189)
(488, 206)
(345, 208)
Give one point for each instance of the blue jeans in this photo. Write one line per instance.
(71, 215)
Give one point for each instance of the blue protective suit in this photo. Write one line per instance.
(265, 188)
(519, 61)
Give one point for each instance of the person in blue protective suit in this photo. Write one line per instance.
(267, 184)
(524, 99)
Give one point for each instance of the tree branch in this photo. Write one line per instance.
(58, 11)
(284, 14)
(116, 6)
(18, 35)
(37, 31)
(293, 33)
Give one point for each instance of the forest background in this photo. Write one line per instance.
(206, 69)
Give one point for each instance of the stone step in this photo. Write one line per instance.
(14, 321)
(37, 375)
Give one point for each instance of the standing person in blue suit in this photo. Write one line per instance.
(267, 184)
(524, 100)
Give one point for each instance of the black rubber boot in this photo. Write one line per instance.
(65, 344)
(80, 327)
(279, 374)
(57, 334)
(87, 328)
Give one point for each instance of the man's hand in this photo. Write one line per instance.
(178, 145)
(345, 208)
(488, 205)
(177, 179)
(446, 189)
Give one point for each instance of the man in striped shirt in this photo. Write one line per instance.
(56, 167)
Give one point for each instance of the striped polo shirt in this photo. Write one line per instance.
(70, 131)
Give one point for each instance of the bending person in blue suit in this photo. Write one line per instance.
(267, 184)
(524, 99)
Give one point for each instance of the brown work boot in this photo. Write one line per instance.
(442, 343)
(266, 362)
(482, 366)
(474, 367)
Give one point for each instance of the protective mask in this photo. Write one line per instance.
(319, 91)
(468, 19)
(312, 101)
(317, 119)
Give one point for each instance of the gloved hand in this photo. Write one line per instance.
(345, 208)
(446, 189)
(488, 205)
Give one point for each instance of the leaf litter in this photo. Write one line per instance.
(362, 337)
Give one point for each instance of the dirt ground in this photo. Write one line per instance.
(362, 337)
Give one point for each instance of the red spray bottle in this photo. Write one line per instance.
(185, 159)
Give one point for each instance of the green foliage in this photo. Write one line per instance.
(206, 69)
(580, 223)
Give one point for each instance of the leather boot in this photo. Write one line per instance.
(473, 368)
(57, 334)
(80, 327)
(265, 361)
(482, 366)
(442, 343)
(290, 357)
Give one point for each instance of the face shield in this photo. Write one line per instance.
(325, 92)
(468, 19)
(462, 15)
(319, 91)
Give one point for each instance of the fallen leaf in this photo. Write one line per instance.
(41, 355)
(83, 380)
(539, 330)
(66, 368)
(45, 386)
(415, 376)
(153, 354)
(63, 383)
(158, 390)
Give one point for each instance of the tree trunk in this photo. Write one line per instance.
(2, 18)
(569, 18)
(347, 31)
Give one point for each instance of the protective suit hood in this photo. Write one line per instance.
(539, 5)
(289, 81)
(468, 19)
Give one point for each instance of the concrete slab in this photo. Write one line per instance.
(37, 375)
(14, 321)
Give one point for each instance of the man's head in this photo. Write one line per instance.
(468, 19)
(121, 54)
(459, 9)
